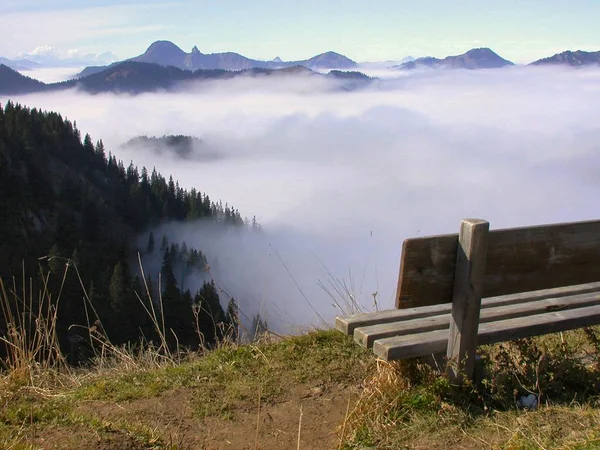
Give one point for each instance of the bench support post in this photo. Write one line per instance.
(466, 302)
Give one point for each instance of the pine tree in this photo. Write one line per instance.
(150, 246)
(211, 317)
(118, 289)
(164, 244)
(232, 321)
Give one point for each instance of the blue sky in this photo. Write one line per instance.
(375, 30)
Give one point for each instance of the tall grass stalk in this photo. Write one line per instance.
(29, 334)
(30, 338)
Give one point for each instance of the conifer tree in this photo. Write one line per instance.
(150, 245)
(232, 321)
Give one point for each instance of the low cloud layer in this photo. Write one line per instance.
(339, 180)
(52, 74)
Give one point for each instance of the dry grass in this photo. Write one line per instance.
(410, 405)
(33, 359)
(406, 404)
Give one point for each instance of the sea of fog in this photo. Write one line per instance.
(339, 179)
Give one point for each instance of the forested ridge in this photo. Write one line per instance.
(137, 77)
(68, 205)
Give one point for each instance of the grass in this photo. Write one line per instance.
(401, 405)
(219, 384)
(408, 405)
(231, 376)
(396, 405)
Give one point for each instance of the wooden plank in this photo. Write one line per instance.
(466, 302)
(518, 260)
(411, 346)
(367, 335)
(552, 322)
(427, 268)
(347, 324)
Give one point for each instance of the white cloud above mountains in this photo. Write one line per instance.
(50, 56)
(88, 26)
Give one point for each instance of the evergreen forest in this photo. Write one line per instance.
(71, 214)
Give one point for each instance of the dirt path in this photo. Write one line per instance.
(169, 420)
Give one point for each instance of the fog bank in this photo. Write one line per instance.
(339, 180)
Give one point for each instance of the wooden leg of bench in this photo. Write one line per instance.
(466, 302)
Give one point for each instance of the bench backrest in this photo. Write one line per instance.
(518, 260)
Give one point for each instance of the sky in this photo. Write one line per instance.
(378, 30)
(339, 179)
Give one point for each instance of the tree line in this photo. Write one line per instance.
(70, 207)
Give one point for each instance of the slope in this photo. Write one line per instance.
(66, 203)
(12, 82)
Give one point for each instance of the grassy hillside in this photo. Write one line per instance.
(71, 217)
(315, 391)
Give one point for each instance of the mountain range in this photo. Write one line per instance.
(569, 58)
(164, 66)
(135, 77)
(20, 64)
(165, 53)
(477, 58)
(485, 58)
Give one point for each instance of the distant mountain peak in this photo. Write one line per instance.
(571, 58)
(481, 51)
(476, 58)
(331, 53)
(331, 60)
(162, 45)
(166, 53)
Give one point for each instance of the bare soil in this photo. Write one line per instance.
(306, 412)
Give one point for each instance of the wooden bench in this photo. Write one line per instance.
(535, 280)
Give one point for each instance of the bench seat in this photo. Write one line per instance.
(414, 332)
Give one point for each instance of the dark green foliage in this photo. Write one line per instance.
(150, 246)
(210, 314)
(186, 147)
(118, 289)
(67, 201)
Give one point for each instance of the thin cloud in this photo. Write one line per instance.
(31, 29)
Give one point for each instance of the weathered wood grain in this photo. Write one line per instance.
(518, 260)
(347, 324)
(466, 301)
(367, 335)
(427, 268)
(411, 346)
